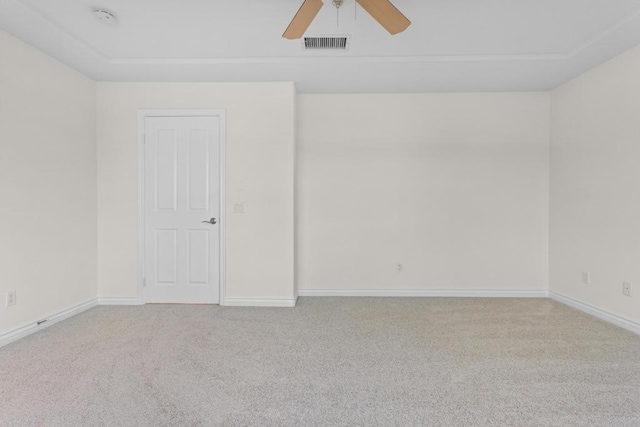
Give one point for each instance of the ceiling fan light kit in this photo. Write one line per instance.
(382, 11)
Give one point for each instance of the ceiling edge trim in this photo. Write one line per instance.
(32, 10)
(342, 59)
(606, 32)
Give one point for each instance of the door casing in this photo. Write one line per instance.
(142, 115)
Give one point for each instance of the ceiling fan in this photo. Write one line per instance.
(381, 10)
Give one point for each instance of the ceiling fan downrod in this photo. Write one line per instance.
(337, 4)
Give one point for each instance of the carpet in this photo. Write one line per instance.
(327, 362)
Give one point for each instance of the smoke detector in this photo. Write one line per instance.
(105, 16)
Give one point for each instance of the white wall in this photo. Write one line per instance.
(47, 185)
(595, 186)
(454, 186)
(260, 151)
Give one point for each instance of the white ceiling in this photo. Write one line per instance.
(452, 45)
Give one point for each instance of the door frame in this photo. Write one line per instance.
(142, 115)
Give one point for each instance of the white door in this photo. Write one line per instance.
(182, 206)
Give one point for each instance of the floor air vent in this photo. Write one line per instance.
(321, 43)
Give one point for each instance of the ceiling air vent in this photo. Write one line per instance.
(326, 42)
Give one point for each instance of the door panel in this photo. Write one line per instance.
(166, 175)
(198, 256)
(166, 256)
(182, 193)
(198, 172)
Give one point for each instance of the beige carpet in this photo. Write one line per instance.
(330, 361)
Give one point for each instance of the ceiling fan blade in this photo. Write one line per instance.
(303, 19)
(386, 14)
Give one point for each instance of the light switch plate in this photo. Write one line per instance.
(11, 298)
(586, 278)
(238, 207)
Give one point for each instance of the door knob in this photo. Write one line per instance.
(211, 221)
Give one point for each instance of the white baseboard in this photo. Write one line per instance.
(601, 314)
(461, 293)
(250, 302)
(119, 301)
(630, 325)
(16, 334)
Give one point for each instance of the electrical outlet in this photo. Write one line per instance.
(399, 267)
(586, 278)
(627, 288)
(11, 298)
